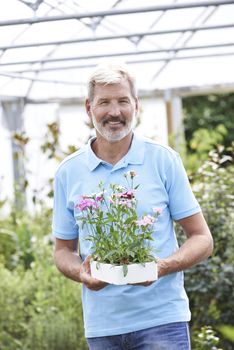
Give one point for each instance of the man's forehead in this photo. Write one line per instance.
(122, 88)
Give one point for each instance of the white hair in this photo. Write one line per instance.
(110, 74)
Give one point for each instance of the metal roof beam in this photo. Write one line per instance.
(178, 58)
(19, 76)
(114, 37)
(210, 11)
(92, 65)
(115, 12)
(118, 54)
(180, 91)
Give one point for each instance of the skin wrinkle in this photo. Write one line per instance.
(112, 105)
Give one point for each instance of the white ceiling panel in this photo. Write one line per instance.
(48, 48)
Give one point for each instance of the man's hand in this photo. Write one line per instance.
(143, 284)
(87, 279)
(162, 267)
(197, 247)
(70, 264)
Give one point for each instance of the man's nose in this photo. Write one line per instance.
(114, 110)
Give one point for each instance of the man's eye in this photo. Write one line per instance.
(124, 101)
(102, 103)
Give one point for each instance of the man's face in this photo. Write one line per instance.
(112, 110)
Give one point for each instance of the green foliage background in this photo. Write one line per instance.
(40, 309)
(208, 113)
(210, 284)
(208, 121)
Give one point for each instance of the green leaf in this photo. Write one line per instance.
(228, 332)
(128, 221)
(112, 252)
(125, 270)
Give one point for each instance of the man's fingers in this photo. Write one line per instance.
(144, 284)
(86, 264)
(92, 283)
(95, 285)
(87, 279)
(98, 286)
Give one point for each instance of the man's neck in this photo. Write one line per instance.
(111, 152)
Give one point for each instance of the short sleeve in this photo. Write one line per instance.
(64, 224)
(182, 202)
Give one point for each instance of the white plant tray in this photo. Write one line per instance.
(113, 274)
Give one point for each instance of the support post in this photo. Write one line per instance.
(13, 122)
(175, 127)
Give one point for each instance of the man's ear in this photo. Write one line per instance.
(88, 107)
(136, 105)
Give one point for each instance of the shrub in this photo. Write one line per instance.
(209, 112)
(205, 339)
(40, 309)
(210, 284)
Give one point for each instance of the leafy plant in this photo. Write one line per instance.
(209, 112)
(208, 121)
(210, 284)
(227, 332)
(205, 339)
(117, 235)
(19, 233)
(9, 248)
(40, 309)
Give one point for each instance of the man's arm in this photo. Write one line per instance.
(197, 247)
(70, 264)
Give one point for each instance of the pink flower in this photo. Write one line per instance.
(146, 220)
(130, 173)
(127, 203)
(140, 223)
(128, 194)
(87, 203)
(118, 195)
(99, 198)
(157, 210)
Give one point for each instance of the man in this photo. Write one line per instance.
(150, 315)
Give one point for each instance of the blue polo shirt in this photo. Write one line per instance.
(163, 184)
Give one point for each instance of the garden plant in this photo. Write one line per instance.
(117, 234)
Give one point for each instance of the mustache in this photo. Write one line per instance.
(113, 119)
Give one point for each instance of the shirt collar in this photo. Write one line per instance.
(135, 154)
(92, 160)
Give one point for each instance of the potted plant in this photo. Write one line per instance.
(121, 241)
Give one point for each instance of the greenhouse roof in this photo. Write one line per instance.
(49, 47)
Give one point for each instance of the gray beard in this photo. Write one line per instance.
(112, 136)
